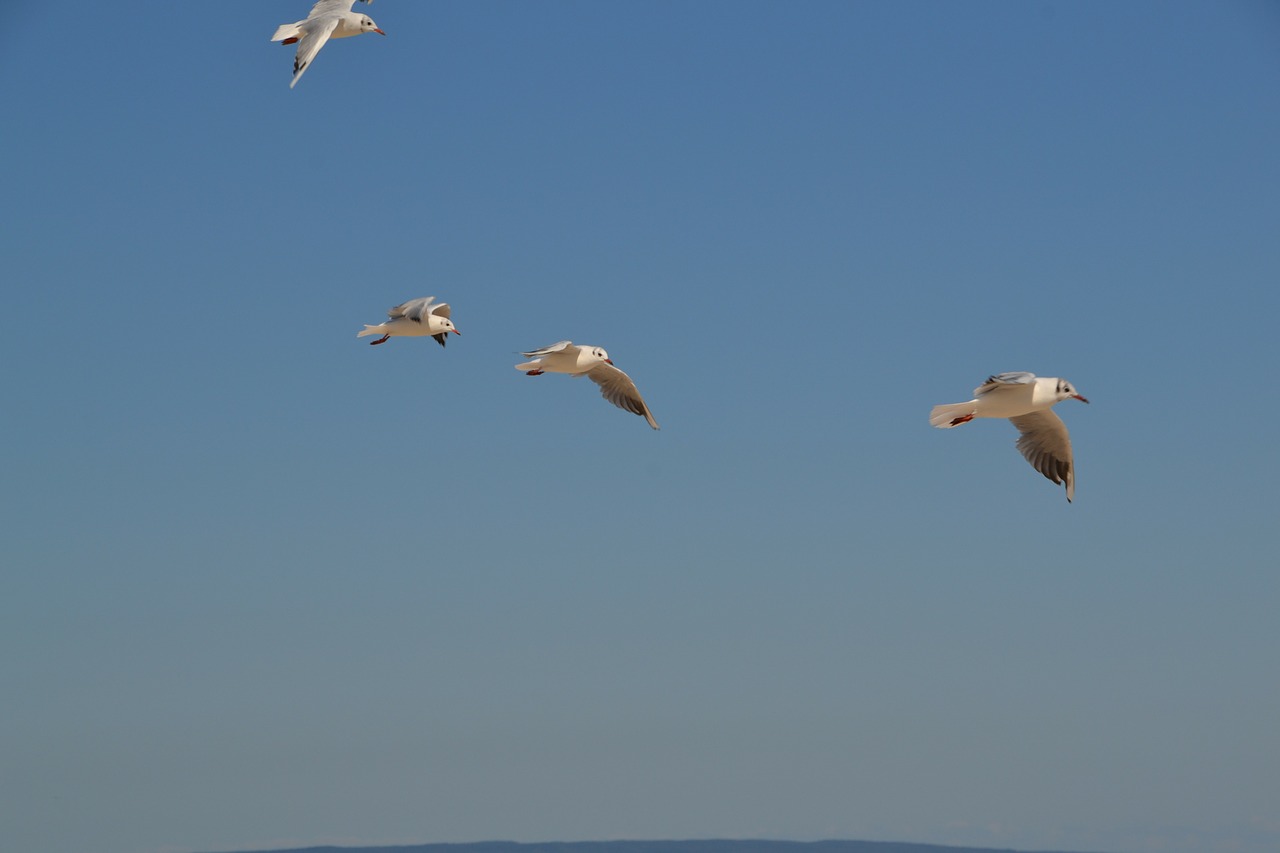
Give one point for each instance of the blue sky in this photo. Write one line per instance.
(267, 586)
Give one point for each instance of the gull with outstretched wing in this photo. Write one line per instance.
(328, 19)
(592, 362)
(1027, 401)
(414, 319)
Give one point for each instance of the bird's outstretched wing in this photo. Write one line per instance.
(1047, 446)
(324, 7)
(617, 388)
(314, 35)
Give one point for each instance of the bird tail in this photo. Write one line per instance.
(530, 365)
(951, 414)
(287, 31)
(370, 330)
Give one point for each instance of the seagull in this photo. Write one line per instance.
(327, 19)
(615, 386)
(413, 319)
(1027, 400)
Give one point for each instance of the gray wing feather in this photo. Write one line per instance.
(324, 7)
(1001, 380)
(414, 309)
(1047, 446)
(617, 388)
(556, 347)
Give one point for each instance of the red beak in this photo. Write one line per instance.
(1081, 399)
(455, 331)
(378, 31)
(608, 361)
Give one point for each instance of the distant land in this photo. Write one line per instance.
(709, 846)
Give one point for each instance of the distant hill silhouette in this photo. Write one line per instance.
(709, 846)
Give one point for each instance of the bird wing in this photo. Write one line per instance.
(562, 346)
(1003, 380)
(617, 388)
(414, 309)
(314, 36)
(1047, 446)
(325, 7)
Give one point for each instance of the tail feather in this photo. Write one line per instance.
(285, 31)
(536, 364)
(370, 330)
(950, 414)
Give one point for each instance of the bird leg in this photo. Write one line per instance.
(381, 340)
(961, 420)
(290, 41)
(534, 372)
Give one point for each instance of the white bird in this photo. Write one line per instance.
(1027, 400)
(414, 319)
(327, 19)
(615, 386)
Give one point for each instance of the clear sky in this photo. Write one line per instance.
(268, 586)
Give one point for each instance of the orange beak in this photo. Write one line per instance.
(378, 31)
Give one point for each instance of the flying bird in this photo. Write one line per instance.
(327, 19)
(1027, 400)
(615, 386)
(414, 319)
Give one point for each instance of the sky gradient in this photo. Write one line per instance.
(267, 586)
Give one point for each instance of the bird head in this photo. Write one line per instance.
(1066, 389)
